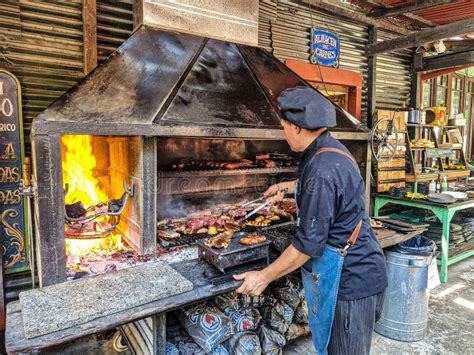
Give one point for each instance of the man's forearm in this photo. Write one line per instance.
(290, 260)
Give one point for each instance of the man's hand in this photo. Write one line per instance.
(275, 192)
(254, 283)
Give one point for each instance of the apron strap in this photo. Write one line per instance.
(355, 233)
(338, 151)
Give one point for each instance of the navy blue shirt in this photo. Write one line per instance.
(331, 202)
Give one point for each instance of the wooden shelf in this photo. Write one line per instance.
(425, 177)
(429, 125)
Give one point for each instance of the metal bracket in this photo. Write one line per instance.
(127, 192)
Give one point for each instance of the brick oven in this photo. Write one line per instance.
(160, 97)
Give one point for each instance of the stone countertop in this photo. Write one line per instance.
(67, 304)
(207, 282)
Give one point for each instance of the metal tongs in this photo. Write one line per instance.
(259, 207)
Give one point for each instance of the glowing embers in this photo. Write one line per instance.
(97, 255)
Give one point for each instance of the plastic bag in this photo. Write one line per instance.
(245, 343)
(171, 349)
(271, 341)
(207, 325)
(278, 317)
(301, 313)
(190, 348)
(219, 350)
(237, 301)
(244, 319)
(290, 291)
(265, 299)
(296, 331)
(227, 302)
(418, 245)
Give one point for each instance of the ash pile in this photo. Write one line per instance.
(241, 325)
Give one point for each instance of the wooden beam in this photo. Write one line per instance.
(405, 8)
(376, 5)
(420, 19)
(371, 80)
(330, 8)
(89, 18)
(415, 91)
(447, 61)
(425, 36)
(435, 74)
(467, 43)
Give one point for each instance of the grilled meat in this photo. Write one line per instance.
(253, 239)
(234, 225)
(264, 212)
(224, 219)
(287, 205)
(240, 212)
(168, 234)
(269, 164)
(280, 213)
(191, 164)
(220, 241)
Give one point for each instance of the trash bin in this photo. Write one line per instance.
(405, 309)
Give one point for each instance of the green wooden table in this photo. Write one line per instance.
(444, 212)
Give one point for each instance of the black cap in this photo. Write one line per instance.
(307, 108)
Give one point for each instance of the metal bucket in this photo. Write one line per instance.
(405, 309)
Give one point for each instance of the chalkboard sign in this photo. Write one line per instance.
(13, 215)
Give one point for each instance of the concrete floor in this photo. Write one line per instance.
(450, 321)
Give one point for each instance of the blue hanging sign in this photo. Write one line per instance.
(324, 48)
(13, 214)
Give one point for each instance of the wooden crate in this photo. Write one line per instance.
(390, 175)
(394, 163)
(385, 187)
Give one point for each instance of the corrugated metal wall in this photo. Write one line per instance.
(267, 14)
(114, 25)
(289, 36)
(41, 43)
(393, 76)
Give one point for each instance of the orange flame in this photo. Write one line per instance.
(78, 165)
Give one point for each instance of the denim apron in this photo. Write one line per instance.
(321, 277)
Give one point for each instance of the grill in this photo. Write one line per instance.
(235, 255)
(164, 97)
(280, 236)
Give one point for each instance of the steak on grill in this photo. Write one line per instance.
(253, 239)
(220, 241)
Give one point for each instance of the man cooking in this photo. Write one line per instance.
(342, 264)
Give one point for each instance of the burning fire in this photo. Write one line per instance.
(79, 250)
(78, 166)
